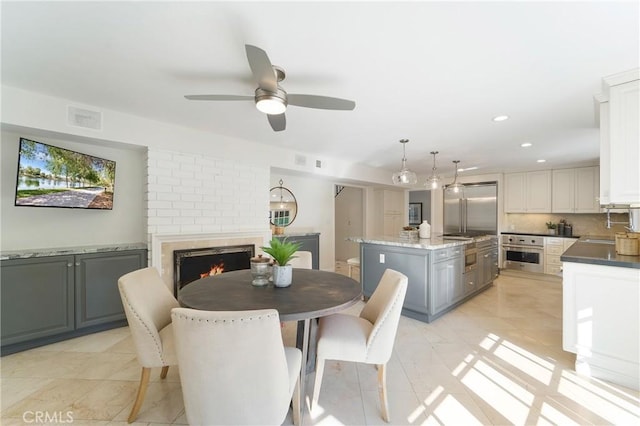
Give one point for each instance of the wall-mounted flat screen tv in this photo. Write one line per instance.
(49, 176)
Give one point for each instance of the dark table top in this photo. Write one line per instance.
(312, 294)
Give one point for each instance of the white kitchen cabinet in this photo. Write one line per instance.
(393, 202)
(390, 212)
(575, 190)
(620, 139)
(601, 321)
(553, 249)
(528, 192)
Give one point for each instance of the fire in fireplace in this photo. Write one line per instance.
(193, 264)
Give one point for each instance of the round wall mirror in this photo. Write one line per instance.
(283, 206)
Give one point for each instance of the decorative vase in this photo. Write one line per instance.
(282, 275)
(425, 229)
(260, 270)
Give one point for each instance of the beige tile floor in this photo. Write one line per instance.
(497, 359)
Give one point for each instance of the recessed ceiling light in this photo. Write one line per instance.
(541, 161)
(500, 118)
(467, 169)
(526, 144)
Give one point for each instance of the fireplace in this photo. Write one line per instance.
(193, 264)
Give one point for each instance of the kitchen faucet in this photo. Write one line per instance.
(634, 220)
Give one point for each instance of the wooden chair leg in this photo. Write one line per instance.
(382, 390)
(296, 404)
(142, 390)
(163, 373)
(318, 382)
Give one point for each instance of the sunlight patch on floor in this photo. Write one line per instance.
(549, 415)
(451, 412)
(601, 401)
(525, 361)
(507, 397)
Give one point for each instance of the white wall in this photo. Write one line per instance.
(189, 194)
(45, 117)
(44, 227)
(315, 211)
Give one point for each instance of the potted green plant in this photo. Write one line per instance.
(551, 228)
(282, 251)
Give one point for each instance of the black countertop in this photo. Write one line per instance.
(599, 254)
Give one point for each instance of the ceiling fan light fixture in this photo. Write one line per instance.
(404, 176)
(272, 105)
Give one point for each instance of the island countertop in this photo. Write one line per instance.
(599, 254)
(433, 243)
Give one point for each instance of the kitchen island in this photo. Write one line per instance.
(443, 272)
(601, 317)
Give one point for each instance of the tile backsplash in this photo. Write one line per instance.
(583, 224)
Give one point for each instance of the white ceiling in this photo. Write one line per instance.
(433, 72)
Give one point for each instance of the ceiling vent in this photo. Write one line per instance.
(85, 118)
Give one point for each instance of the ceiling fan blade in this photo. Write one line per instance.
(320, 102)
(219, 97)
(278, 121)
(261, 68)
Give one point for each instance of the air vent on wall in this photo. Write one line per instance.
(300, 160)
(88, 119)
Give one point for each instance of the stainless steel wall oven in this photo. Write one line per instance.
(523, 253)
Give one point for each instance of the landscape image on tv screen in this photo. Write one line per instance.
(49, 176)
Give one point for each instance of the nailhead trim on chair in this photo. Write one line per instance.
(182, 316)
(158, 344)
(372, 336)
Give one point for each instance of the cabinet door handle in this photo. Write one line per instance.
(470, 282)
(69, 265)
(486, 255)
(77, 263)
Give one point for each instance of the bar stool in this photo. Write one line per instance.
(353, 262)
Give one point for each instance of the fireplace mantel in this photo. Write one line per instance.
(163, 245)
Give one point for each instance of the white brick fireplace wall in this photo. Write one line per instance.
(196, 201)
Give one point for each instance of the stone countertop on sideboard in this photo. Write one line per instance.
(598, 253)
(61, 251)
(433, 243)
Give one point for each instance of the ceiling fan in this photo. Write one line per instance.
(269, 97)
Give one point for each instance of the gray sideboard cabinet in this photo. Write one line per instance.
(310, 242)
(53, 298)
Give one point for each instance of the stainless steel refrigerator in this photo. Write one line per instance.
(472, 211)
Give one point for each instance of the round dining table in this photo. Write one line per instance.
(312, 294)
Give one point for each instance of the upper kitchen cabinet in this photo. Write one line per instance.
(528, 192)
(620, 138)
(390, 211)
(575, 190)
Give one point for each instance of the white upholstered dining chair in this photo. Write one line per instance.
(302, 260)
(147, 303)
(367, 338)
(234, 368)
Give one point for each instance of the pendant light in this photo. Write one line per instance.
(434, 180)
(455, 186)
(404, 176)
